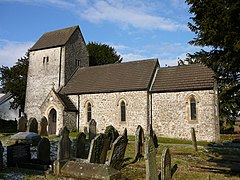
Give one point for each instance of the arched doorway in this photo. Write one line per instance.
(52, 119)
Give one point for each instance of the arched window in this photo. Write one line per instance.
(123, 111)
(89, 111)
(193, 108)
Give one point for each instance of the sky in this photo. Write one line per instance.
(137, 29)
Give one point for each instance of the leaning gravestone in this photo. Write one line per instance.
(154, 136)
(125, 132)
(150, 156)
(98, 150)
(18, 154)
(92, 129)
(111, 134)
(33, 125)
(22, 124)
(118, 152)
(43, 151)
(64, 145)
(80, 146)
(43, 126)
(1, 155)
(194, 140)
(166, 165)
(139, 142)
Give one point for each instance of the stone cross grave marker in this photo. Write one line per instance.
(118, 152)
(64, 145)
(166, 165)
(194, 140)
(98, 149)
(139, 143)
(80, 146)
(43, 126)
(1, 155)
(22, 124)
(150, 159)
(92, 129)
(43, 151)
(33, 125)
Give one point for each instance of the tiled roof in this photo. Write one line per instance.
(182, 78)
(126, 76)
(54, 38)
(67, 102)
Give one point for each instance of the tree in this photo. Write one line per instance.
(217, 26)
(14, 80)
(100, 54)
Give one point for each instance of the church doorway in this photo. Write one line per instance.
(52, 119)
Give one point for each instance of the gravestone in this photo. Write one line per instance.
(22, 124)
(80, 146)
(33, 125)
(118, 152)
(154, 136)
(43, 126)
(139, 143)
(1, 155)
(18, 153)
(64, 145)
(125, 133)
(43, 151)
(194, 140)
(98, 149)
(150, 159)
(111, 134)
(92, 129)
(166, 165)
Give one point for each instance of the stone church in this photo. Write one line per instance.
(62, 87)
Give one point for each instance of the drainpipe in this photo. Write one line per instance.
(78, 118)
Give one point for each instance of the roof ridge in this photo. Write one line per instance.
(121, 63)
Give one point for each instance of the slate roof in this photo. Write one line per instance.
(67, 102)
(127, 76)
(54, 38)
(182, 78)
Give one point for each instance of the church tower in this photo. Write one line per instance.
(52, 61)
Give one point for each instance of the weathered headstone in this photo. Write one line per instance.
(166, 165)
(17, 154)
(92, 129)
(98, 150)
(111, 134)
(194, 140)
(139, 143)
(22, 124)
(64, 145)
(33, 125)
(80, 146)
(150, 156)
(118, 152)
(43, 126)
(154, 136)
(125, 133)
(1, 155)
(43, 151)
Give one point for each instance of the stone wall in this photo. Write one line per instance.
(76, 50)
(41, 76)
(171, 115)
(106, 110)
(70, 120)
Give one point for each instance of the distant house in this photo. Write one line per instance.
(6, 112)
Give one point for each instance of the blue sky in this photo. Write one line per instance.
(136, 29)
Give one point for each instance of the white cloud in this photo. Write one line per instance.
(132, 57)
(128, 16)
(11, 51)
